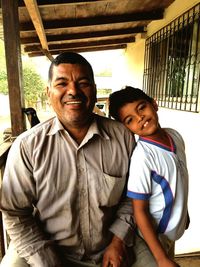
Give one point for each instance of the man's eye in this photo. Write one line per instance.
(84, 84)
(61, 84)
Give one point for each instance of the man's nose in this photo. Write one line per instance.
(72, 89)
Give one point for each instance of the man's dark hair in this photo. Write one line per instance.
(126, 95)
(71, 58)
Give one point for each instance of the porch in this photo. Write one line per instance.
(130, 70)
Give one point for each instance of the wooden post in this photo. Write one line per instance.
(14, 65)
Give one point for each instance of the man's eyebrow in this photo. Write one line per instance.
(60, 78)
(84, 78)
(79, 79)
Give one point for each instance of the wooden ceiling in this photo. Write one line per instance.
(48, 27)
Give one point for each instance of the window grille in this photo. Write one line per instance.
(172, 63)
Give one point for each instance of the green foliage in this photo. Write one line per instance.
(3, 82)
(104, 92)
(104, 73)
(32, 81)
(33, 85)
(3, 74)
(2, 56)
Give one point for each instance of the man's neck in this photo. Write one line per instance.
(79, 131)
(78, 134)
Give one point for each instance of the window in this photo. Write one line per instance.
(172, 63)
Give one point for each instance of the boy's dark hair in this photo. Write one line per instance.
(126, 95)
(71, 58)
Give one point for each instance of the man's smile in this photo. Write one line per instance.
(74, 102)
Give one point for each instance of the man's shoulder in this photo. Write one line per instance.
(112, 125)
(174, 134)
(40, 129)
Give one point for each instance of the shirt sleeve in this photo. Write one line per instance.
(18, 210)
(124, 226)
(139, 183)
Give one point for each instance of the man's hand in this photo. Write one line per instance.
(115, 254)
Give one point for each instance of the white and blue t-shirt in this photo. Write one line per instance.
(158, 173)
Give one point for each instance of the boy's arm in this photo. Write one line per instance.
(145, 225)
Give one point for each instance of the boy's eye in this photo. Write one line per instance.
(128, 121)
(142, 106)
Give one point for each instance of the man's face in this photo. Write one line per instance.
(72, 94)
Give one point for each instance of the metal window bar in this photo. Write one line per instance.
(172, 63)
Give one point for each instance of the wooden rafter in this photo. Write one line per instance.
(98, 20)
(83, 49)
(64, 2)
(84, 44)
(47, 26)
(85, 35)
(34, 13)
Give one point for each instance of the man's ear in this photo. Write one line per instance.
(95, 88)
(47, 91)
(155, 105)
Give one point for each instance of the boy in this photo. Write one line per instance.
(158, 181)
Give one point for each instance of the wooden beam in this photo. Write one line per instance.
(14, 65)
(64, 2)
(83, 44)
(34, 13)
(81, 50)
(94, 21)
(85, 35)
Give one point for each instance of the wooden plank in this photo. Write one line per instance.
(97, 20)
(85, 35)
(14, 65)
(64, 2)
(83, 49)
(83, 44)
(34, 13)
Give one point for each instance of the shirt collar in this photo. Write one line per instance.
(94, 129)
(55, 127)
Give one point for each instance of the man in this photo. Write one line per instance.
(63, 192)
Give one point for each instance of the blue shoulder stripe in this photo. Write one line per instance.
(140, 196)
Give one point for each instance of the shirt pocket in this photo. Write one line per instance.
(111, 189)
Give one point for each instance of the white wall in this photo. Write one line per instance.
(188, 125)
(4, 106)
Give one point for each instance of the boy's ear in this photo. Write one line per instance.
(155, 105)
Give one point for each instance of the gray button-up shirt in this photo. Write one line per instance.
(73, 189)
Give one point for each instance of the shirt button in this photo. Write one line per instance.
(80, 170)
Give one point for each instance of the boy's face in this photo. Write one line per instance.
(140, 117)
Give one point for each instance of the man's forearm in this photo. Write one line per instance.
(124, 226)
